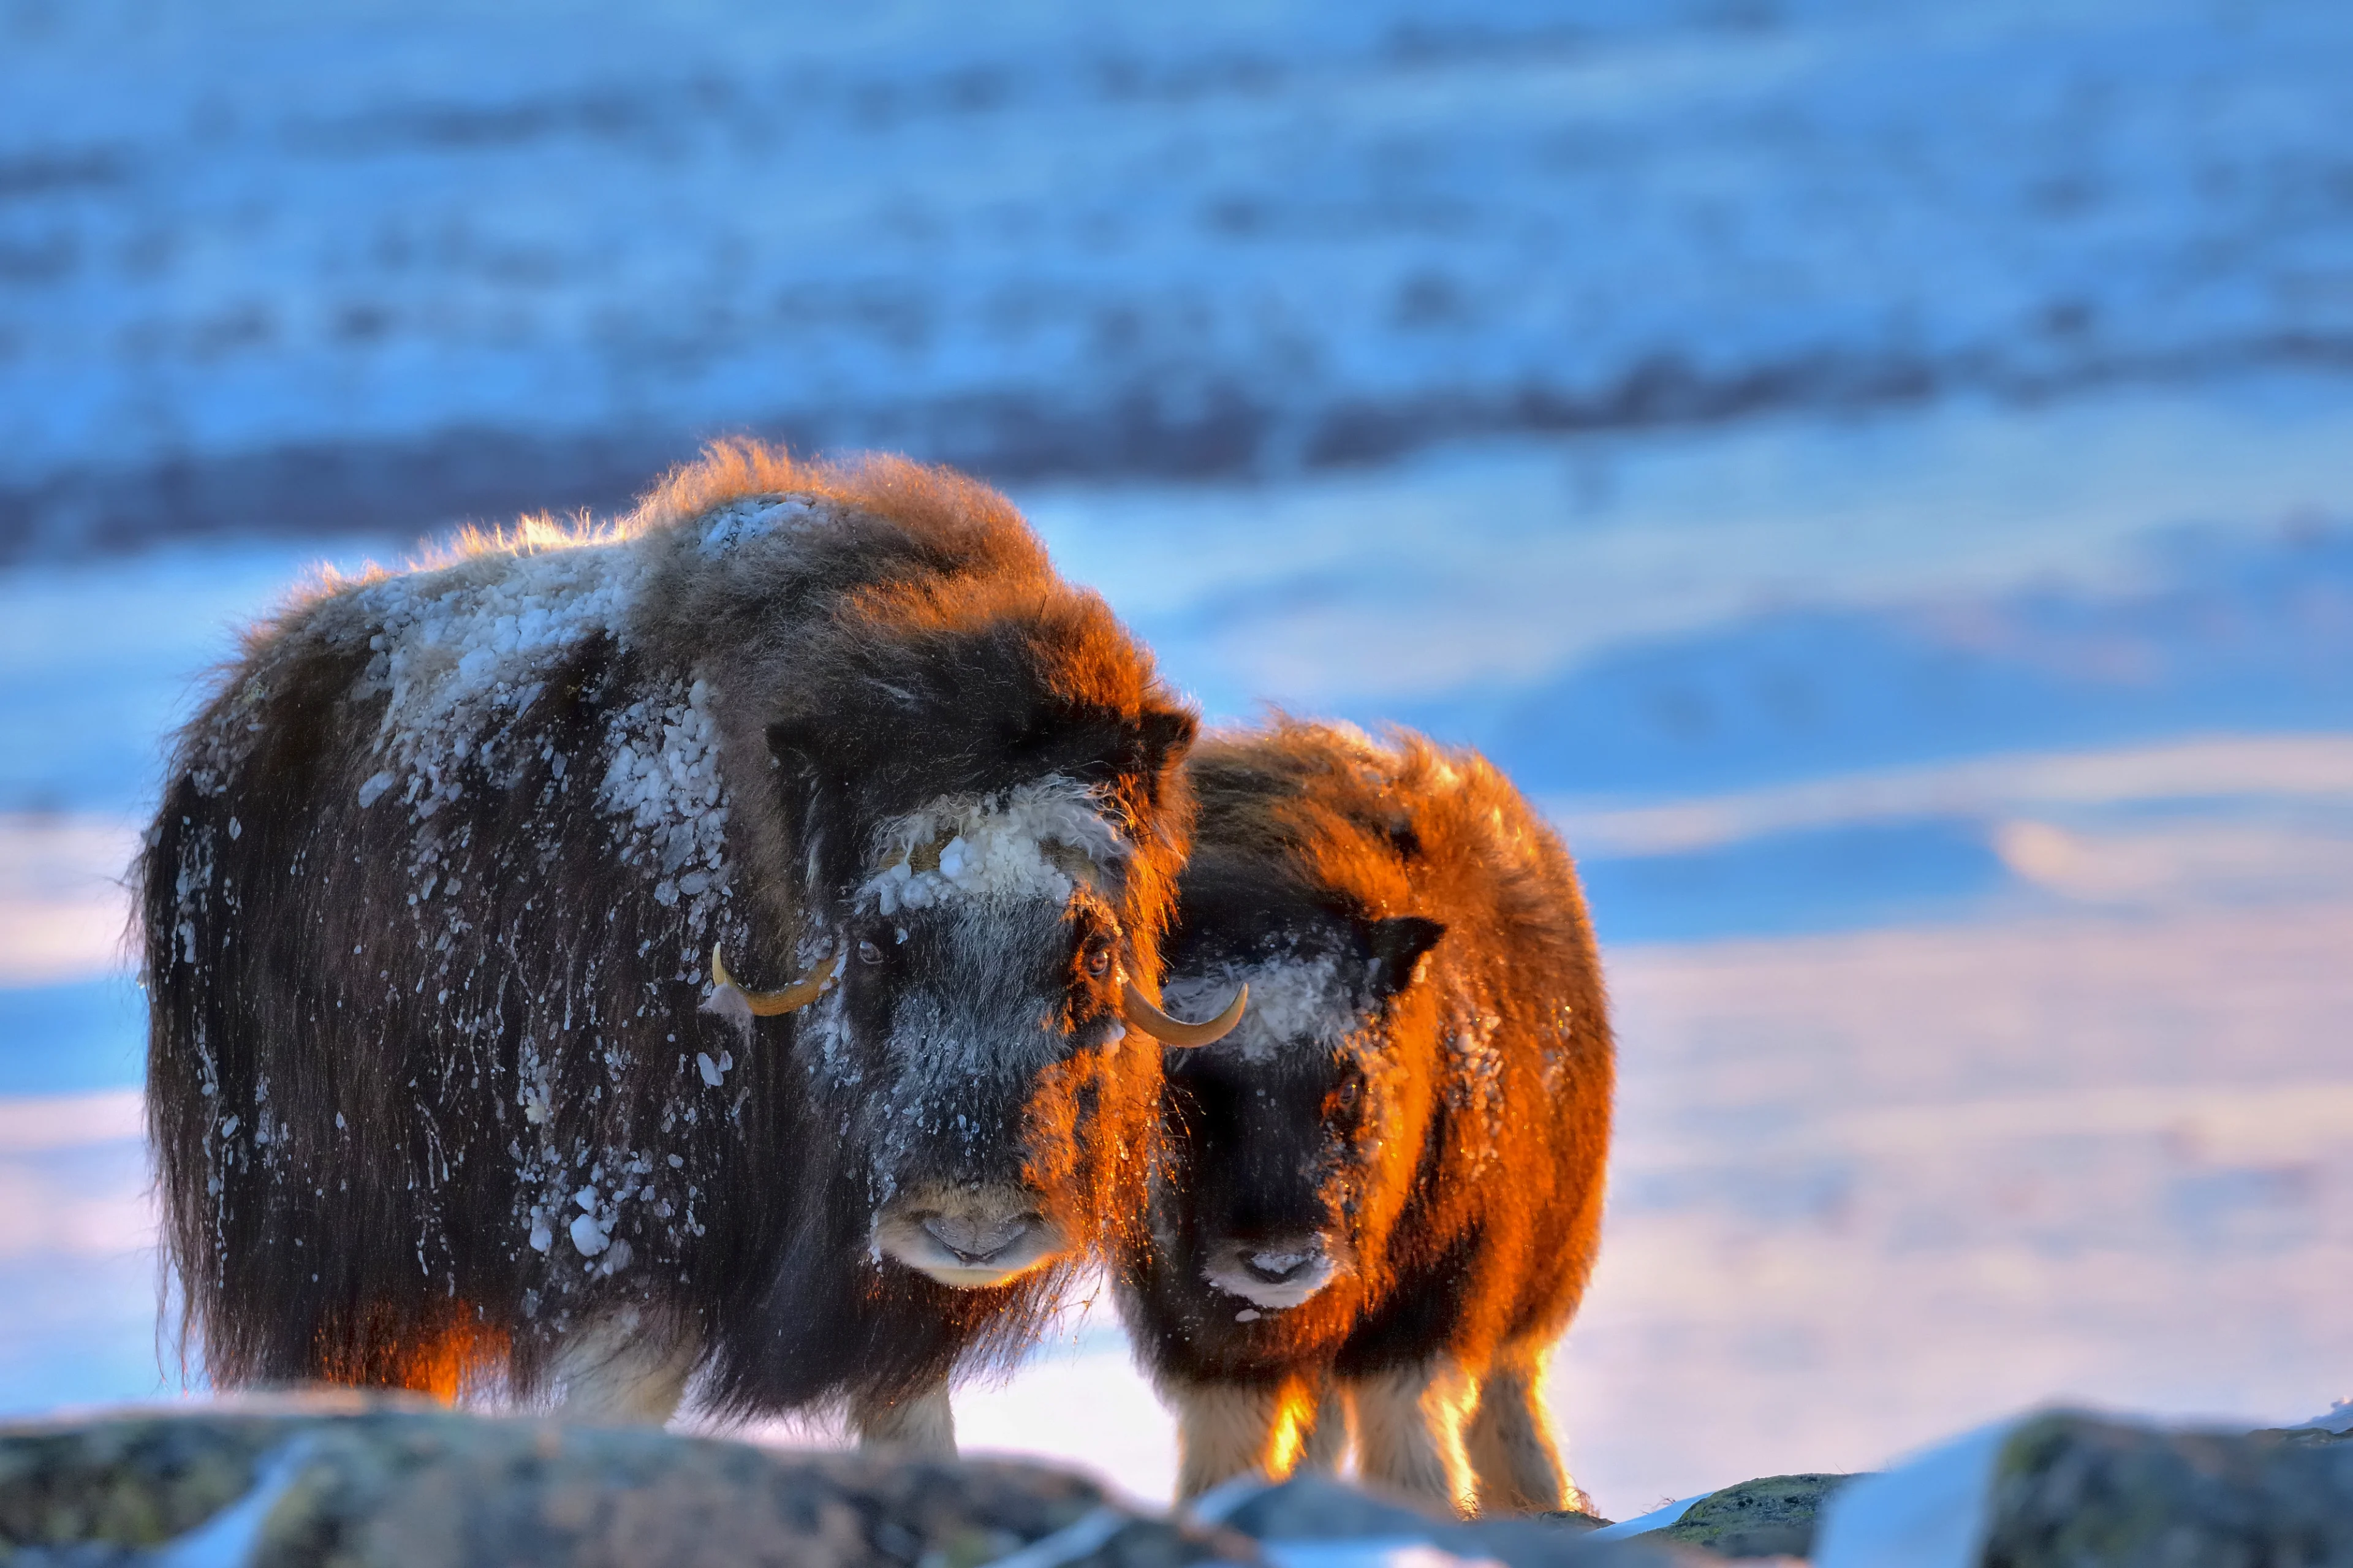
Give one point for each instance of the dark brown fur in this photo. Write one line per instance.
(1461, 1192)
(389, 1033)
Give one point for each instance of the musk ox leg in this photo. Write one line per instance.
(1409, 1424)
(1223, 1430)
(916, 1426)
(624, 1370)
(1511, 1442)
(1324, 1443)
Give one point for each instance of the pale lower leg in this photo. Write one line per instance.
(1409, 1435)
(1511, 1443)
(917, 1425)
(1324, 1440)
(627, 1369)
(1227, 1429)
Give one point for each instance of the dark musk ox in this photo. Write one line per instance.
(1381, 1194)
(451, 1085)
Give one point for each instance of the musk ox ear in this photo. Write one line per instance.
(1166, 734)
(1399, 945)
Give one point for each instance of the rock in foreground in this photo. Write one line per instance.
(359, 1483)
(1771, 1517)
(405, 1488)
(2074, 1492)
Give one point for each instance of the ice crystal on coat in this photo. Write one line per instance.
(755, 517)
(664, 785)
(460, 652)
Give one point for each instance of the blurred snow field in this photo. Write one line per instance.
(312, 268)
(1882, 477)
(1959, 1072)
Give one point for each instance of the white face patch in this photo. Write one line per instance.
(1035, 841)
(967, 1238)
(1295, 1004)
(1300, 1270)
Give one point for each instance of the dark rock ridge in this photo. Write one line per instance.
(354, 1483)
(357, 1483)
(2070, 1491)
(384, 1484)
(1771, 1517)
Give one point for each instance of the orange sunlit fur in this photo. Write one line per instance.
(442, 1360)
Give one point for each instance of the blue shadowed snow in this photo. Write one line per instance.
(313, 268)
(2214, 634)
(61, 1039)
(1784, 884)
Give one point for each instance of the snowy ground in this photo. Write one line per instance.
(314, 267)
(1983, 1039)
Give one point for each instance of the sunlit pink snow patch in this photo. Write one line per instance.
(64, 909)
(74, 1177)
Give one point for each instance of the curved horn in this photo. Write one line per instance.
(768, 1003)
(1142, 1015)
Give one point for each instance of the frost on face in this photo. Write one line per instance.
(1296, 1003)
(990, 882)
(1037, 840)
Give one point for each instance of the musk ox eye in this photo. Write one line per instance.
(1098, 960)
(1344, 1098)
(868, 954)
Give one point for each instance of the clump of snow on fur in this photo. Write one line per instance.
(1033, 841)
(461, 654)
(461, 651)
(1295, 1004)
(740, 522)
(664, 783)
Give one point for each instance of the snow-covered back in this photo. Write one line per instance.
(464, 650)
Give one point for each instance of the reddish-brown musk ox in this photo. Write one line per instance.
(1382, 1193)
(449, 1085)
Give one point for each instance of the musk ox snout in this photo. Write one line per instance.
(1275, 1272)
(969, 1235)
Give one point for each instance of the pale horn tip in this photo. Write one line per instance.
(1140, 1014)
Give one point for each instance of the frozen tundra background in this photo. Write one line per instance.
(1882, 476)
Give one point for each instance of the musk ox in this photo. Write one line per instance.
(1382, 1193)
(450, 1083)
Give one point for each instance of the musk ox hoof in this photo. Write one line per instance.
(970, 1237)
(1272, 1273)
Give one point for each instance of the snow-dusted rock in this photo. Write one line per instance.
(388, 1482)
(1772, 1515)
(2081, 1492)
(359, 1481)
(1313, 1521)
(2063, 1488)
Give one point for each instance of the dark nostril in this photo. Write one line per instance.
(977, 1242)
(1273, 1266)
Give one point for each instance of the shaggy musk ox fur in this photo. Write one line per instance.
(442, 1085)
(1381, 1194)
